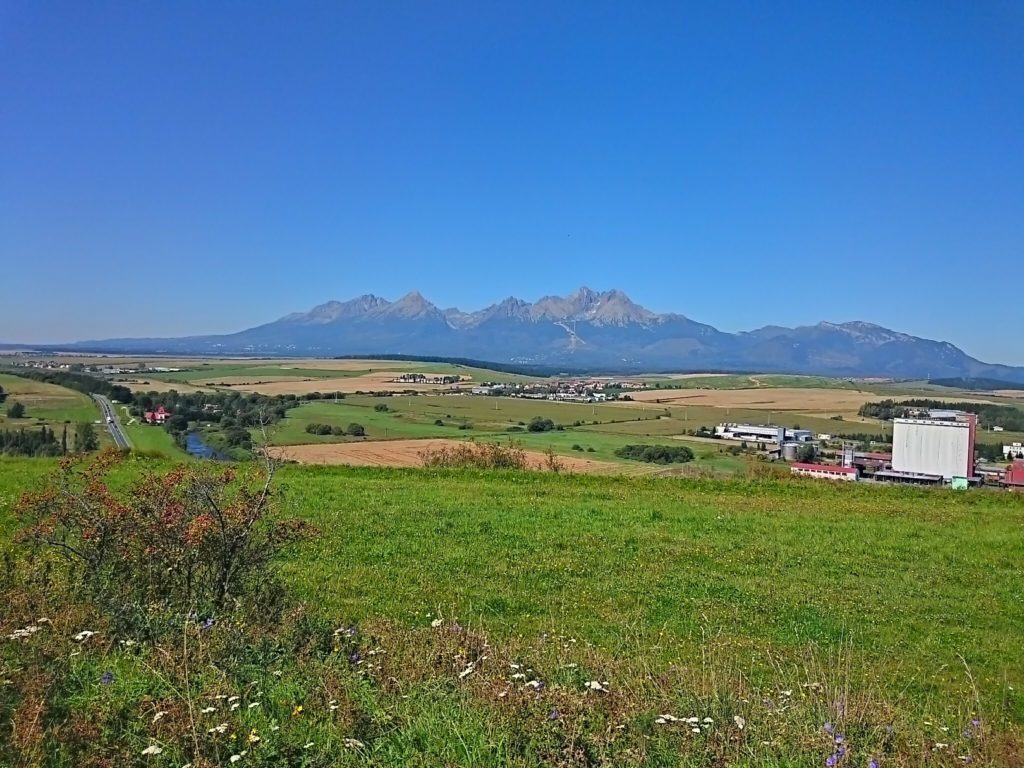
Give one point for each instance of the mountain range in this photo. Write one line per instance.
(584, 330)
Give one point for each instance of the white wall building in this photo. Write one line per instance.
(761, 433)
(939, 447)
(1013, 451)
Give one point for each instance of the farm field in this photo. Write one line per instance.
(885, 610)
(490, 419)
(44, 402)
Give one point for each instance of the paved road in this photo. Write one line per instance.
(110, 417)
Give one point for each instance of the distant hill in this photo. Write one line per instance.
(587, 330)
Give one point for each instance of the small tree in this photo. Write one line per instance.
(15, 411)
(85, 438)
(356, 430)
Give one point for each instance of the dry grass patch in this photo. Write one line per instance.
(409, 453)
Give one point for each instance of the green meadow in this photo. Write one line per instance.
(893, 612)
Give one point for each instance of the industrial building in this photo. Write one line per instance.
(824, 471)
(762, 433)
(1013, 451)
(939, 448)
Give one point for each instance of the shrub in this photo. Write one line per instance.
(540, 424)
(194, 539)
(438, 423)
(577, 447)
(656, 454)
(381, 407)
(15, 411)
(476, 456)
(465, 425)
(356, 430)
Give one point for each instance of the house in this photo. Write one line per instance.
(159, 416)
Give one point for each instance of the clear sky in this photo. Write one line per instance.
(177, 168)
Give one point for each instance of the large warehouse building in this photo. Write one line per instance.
(941, 446)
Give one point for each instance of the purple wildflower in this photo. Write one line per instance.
(827, 728)
(208, 623)
(831, 761)
(107, 678)
(355, 658)
(554, 714)
(350, 631)
(873, 763)
(838, 738)
(976, 723)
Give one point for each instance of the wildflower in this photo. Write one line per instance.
(827, 728)
(976, 723)
(708, 721)
(554, 714)
(253, 737)
(873, 763)
(669, 718)
(740, 722)
(660, 721)
(254, 704)
(235, 758)
(84, 635)
(695, 730)
(106, 678)
(158, 716)
(355, 658)
(437, 623)
(940, 745)
(208, 623)
(222, 728)
(307, 745)
(296, 710)
(152, 749)
(235, 706)
(352, 744)
(467, 671)
(832, 760)
(231, 698)
(536, 685)
(597, 685)
(207, 710)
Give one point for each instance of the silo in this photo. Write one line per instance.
(789, 451)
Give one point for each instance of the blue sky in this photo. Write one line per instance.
(174, 168)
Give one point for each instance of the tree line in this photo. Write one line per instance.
(989, 414)
(44, 442)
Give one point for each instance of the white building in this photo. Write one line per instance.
(824, 471)
(761, 433)
(941, 447)
(1013, 451)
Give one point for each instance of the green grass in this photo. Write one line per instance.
(913, 584)
(44, 402)
(149, 439)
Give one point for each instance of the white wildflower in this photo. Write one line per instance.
(254, 704)
(597, 685)
(660, 721)
(693, 720)
(233, 698)
(467, 671)
(222, 728)
(354, 744)
(740, 722)
(158, 715)
(307, 745)
(708, 720)
(695, 730)
(437, 623)
(518, 676)
(42, 620)
(207, 710)
(535, 684)
(84, 635)
(152, 749)
(235, 758)
(235, 706)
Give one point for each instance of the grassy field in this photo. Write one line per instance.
(904, 604)
(48, 403)
(490, 418)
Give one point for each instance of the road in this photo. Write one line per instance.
(113, 425)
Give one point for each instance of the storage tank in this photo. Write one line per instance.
(789, 451)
